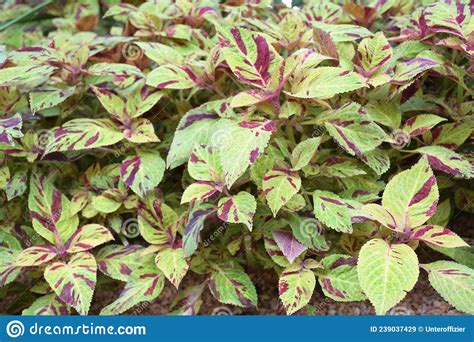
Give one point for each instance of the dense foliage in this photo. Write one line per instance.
(154, 141)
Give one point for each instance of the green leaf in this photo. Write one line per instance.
(172, 263)
(239, 208)
(454, 282)
(232, 286)
(240, 144)
(194, 128)
(143, 172)
(304, 152)
(295, 287)
(199, 191)
(279, 186)
(411, 196)
(144, 284)
(373, 53)
(386, 273)
(50, 211)
(352, 128)
(74, 282)
(335, 212)
(420, 124)
(325, 82)
(339, 280)
(40, 100)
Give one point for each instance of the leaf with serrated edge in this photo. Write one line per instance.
(454, 282)
(295, 287)
(386, 273)
(74, 282)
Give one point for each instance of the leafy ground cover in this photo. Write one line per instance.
(187, 144)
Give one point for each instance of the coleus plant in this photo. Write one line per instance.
(211, 141)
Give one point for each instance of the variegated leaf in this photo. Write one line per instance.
(10, 128)
(170, 76)
(74, 282)
(193, 227)
(50, 211)
(199, 191)
(420, 124)
(295, 287)
(8, 268)
(232, 286)
(240, 144)
(448, 161)
(172, 263)
(47, 305)
(411, 196)
(335, 212)
(188, 302)
(143, 172)
(339, 280)
(326, 82)
(118, 261)
(239, 208)
(144, 284)
(437, 235)
(196, 127)
(88, 237)
(454, 282)
(373, 53)
(36, 255)
(80, 134)
(279, 186)
(48, 98)
(251, 58)
(353, 129)
(155, 221)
